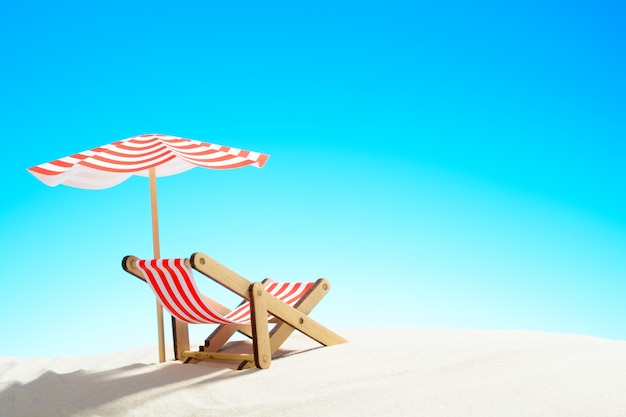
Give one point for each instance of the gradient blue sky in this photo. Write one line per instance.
(444, 164)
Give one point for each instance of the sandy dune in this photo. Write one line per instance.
(391, 372)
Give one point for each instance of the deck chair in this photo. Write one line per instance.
(285, 306)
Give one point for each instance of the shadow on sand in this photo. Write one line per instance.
(81, 391)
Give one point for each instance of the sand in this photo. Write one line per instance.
(380, 372)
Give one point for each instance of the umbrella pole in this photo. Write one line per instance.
(157, 254)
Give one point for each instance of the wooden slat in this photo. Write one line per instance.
(234, 357)
(221, 274)
(302, 322)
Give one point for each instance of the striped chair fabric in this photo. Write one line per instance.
(173, 283)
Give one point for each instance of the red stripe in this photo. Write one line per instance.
(139, 158)
(163, 280)
(262, 159)
(208, 314)
(208, 161)
(286, 296)
(241, 314)
(127, 170)
(136, 139)
(185, 142)
(154, 138)
(62, 164)
(180, 306)
(230, 166)
(150, 151)
(205, 151)
(180, 294)
(296, 293)
(180, 298)
(175, 139)
(80, 156)
(224, 157)
(56, 162)
(154, 284)
(293, 290)
(42, 171)
(121, 145)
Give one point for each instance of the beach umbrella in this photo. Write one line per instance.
(151, 155)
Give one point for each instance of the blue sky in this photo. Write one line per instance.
(458, 164)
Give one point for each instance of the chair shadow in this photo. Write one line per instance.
(76, 392)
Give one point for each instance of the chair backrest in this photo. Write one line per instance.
(173, 284)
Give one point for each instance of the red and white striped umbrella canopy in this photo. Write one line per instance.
(109, 165)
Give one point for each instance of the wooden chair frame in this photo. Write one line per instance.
(264, 343)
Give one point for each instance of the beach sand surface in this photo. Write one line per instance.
(380, 372)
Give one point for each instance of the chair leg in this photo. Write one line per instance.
(180, 335)
(260, 327)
